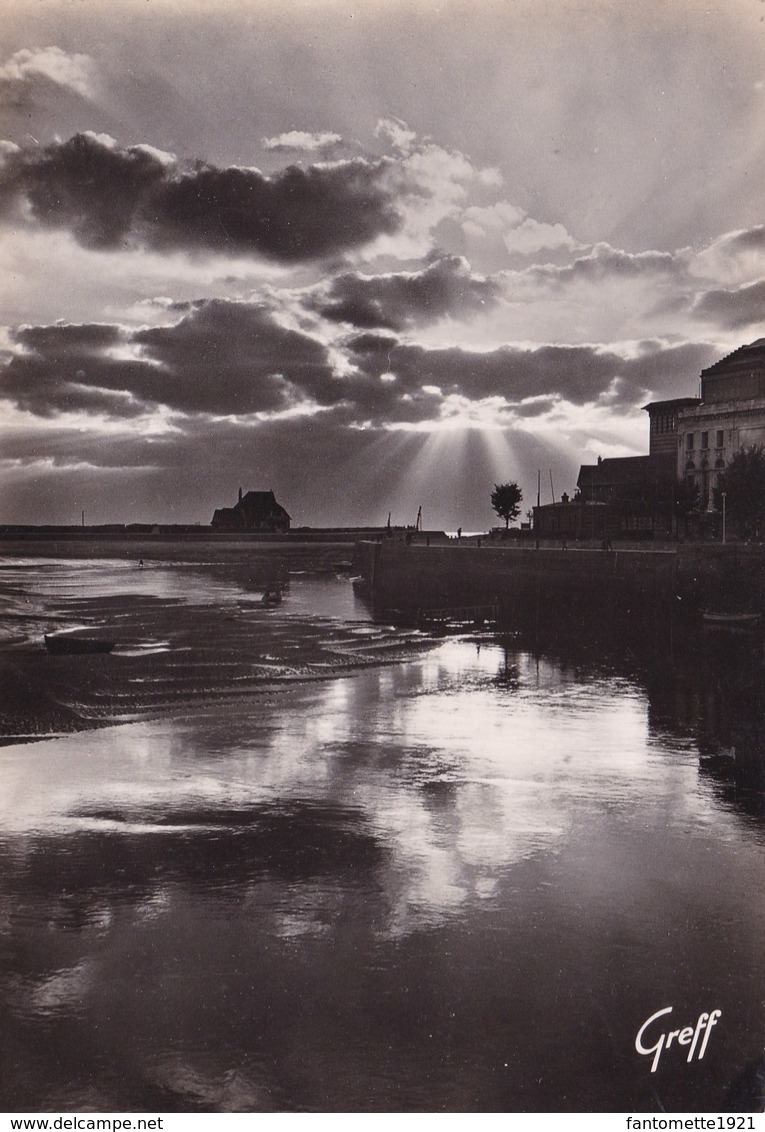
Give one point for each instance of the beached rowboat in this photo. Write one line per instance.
(67, 644)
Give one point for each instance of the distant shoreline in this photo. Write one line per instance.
(128, 531)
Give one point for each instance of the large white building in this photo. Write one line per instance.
(706, 432)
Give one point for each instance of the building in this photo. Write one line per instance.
(620, 497)
(255, 511)
(664, 417)
(637, 489)
(690, 438)
(576, 519)
(728, 417)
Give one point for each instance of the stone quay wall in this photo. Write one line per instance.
(409, 580)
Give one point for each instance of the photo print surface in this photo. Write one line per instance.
(382, 405)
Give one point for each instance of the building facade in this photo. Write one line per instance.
(663, 429)
(729, 417)
(690, 439)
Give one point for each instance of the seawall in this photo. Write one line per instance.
(405, 580)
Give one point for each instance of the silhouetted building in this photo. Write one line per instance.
(255, 511)
(623, 496)
(576, 519)
(639, 489)
(691, 438)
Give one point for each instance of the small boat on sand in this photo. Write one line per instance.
(69, 644)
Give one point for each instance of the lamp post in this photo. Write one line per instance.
(723, 499)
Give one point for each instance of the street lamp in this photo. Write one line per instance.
(723, 499)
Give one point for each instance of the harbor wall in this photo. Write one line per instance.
(406, 580)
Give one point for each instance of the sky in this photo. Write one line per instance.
(373, 255)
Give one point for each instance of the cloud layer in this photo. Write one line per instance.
(235, 359)
(366, 274)
(108, 197)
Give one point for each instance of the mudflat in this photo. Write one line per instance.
(192, 620)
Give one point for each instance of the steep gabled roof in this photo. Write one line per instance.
(262, 505)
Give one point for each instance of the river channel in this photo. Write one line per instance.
(402, 874)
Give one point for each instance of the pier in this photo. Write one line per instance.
(514, 582)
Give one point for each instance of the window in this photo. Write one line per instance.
(689, 441)
(720, 438)
(705, 440)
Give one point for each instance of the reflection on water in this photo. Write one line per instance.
(458, 882)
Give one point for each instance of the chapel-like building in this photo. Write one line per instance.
(255, 511)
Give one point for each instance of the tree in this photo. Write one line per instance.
(506, 501)
(743, 483)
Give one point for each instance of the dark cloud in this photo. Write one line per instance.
(108, 197)
(49, 384)
(577, 373)
(395, 301)
(233, 359)
(228, 357)
(669, 371)
(371, 344)
(734, 309)
(534, 408)
(298, 214)
(221, 358)
(67, 340)
(84, 185)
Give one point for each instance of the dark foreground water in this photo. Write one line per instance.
(460, 880)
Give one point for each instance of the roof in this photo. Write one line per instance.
(626, 471)
(741, 359)
(616, 469)
(261, 504)
(257, 510)
(673, 403)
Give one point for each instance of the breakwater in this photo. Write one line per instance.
(523, 582)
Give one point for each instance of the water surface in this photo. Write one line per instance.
(458, 881)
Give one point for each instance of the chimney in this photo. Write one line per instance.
(240, 495)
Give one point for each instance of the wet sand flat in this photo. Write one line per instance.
(189, 624)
